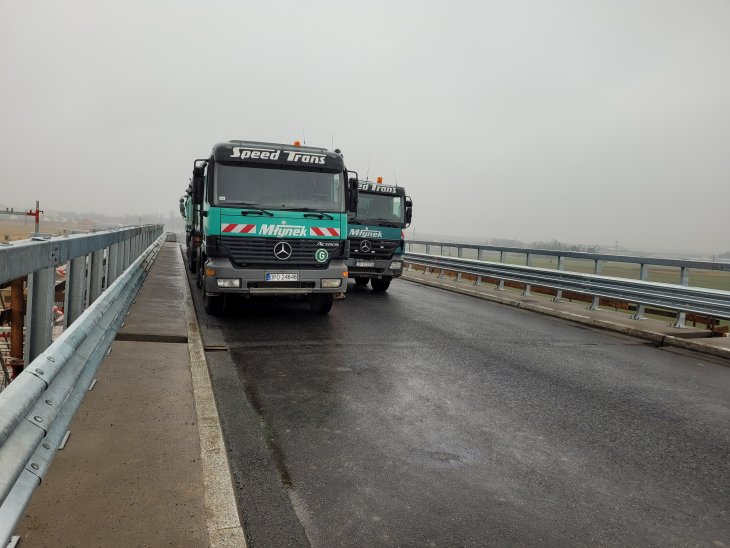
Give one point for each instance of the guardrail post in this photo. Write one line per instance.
(126, 262)
(111, 267)
(75, 289)
(441, 274)
(681, 315)
(480, 255)
(478, 280)
(640, 308)
(500, 283)
(120, 259)
(95, 275)
(460, 253)
(428, 249)
(528, 262)
(17, 318)
(596, 270)
(559, 293)
(41, 290)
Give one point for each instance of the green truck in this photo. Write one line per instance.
(376, 234)
(270, 219)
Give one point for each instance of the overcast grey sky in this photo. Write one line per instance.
(585, 121)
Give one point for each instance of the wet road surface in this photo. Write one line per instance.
(426, 418)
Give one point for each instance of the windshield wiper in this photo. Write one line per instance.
(314, 213)
(257, 209)
(383, 222)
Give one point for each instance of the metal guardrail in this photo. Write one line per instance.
(601, 257)
(107, 253)
(681, 298)
(38, 406)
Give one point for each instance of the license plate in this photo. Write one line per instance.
(282, 276)
(365, 264)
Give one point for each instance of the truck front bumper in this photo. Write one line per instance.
(380, 269)
(252, 281)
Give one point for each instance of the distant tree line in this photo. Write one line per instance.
(555, 245)
(552, 245)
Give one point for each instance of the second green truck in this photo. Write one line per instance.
(376, 234)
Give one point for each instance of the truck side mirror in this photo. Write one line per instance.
(409, 210)
(198, 185)
(352, 196)
(198, 182)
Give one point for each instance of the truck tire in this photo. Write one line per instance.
(321, 303)
(191, 259)
(199, 268)
(359, 280)
(213, 304)
(380, 285)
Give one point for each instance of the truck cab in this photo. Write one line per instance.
(272, 220)
(376, 234)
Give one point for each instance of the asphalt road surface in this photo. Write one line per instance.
(426, 418)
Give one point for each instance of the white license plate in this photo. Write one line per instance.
(282, 276)
(365, 264)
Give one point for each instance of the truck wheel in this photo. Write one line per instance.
(191, 260)
(359, 280)
(213, 304)
(380, 285)
(199, 262)
(321, 302)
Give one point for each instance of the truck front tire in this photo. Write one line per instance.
(213, 304)
(321, 303)
(380, 284)
(360, 280)
(191, 259)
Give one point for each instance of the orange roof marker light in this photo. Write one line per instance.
(380, 180)
(297, 144)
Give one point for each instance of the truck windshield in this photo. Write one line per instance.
(371, 207)
(279, 188)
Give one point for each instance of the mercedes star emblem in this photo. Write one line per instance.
(282, 251)
(365, 246)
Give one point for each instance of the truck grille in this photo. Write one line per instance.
(379, 249)
(246, 251)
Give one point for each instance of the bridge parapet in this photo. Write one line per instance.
(105, 271)
(679, 297)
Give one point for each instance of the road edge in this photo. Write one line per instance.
(221, 512)
(660, 339)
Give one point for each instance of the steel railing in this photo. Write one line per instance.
(681, 298)
(38, 406)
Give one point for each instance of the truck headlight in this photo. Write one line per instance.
(331, 283)
(396, 265)
(228, 282)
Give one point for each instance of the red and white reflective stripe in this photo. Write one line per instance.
(323, 231)
(242, 229)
